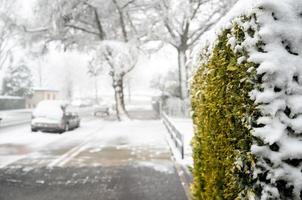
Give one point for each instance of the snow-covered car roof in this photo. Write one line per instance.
(50, 109)
(53, 103)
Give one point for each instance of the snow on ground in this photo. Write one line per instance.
(35, 140)
(167, 168)
(10, 117)
(185, 127)
(141, 143)
(96, 142)
(139, 103)
(139, 107)
(134, 133)
(15, 111)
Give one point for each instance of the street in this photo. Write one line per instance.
(103, 159)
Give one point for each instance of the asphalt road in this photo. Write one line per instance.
(103, 159)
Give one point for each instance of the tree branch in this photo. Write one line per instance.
(99, 25)
(199, 33)
(170, 30)
(127, 4)
(82, 29)
(195, 35)
(107, 54)
(165, 20)
(5, 57)
(131, 68)
(199, 4)
(122, 21)
(101, 33)
(37, 30)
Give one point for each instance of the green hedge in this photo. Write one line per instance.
(12, 103)
(221, 113)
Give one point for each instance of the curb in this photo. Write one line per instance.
(183, 172)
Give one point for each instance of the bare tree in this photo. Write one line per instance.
(68, 87)
(94, 70)
(184, 23)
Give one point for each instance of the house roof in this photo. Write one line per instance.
(45, 89)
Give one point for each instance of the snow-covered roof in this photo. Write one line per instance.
(10, 97)
(45, 89)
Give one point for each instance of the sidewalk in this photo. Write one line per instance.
(14, 117)
(183, 126)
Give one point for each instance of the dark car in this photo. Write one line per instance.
(52, 116)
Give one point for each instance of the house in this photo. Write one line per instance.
(40, 94)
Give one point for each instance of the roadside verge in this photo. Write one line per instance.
(179, 144)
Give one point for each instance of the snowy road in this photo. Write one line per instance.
(102, 159)
(23, 116)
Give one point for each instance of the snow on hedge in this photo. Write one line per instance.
(9, 97)
(273, 41)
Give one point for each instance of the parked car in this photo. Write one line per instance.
(102, 109)
(82, 103)
(52, 116)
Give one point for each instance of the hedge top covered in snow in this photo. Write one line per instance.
(272, 40)
(279, 29)
(289, 12)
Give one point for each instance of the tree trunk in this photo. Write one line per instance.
(96, 90)
(129, 91)
(119, 98)
(182, 59)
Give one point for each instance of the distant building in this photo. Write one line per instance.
(40, 94)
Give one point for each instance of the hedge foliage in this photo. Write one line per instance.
(221, 113)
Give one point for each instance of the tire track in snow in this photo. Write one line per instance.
(11, 161)
(15, 159)
(69, 155)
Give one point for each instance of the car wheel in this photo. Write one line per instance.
(34, 130)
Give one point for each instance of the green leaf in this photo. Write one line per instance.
(232, 68)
